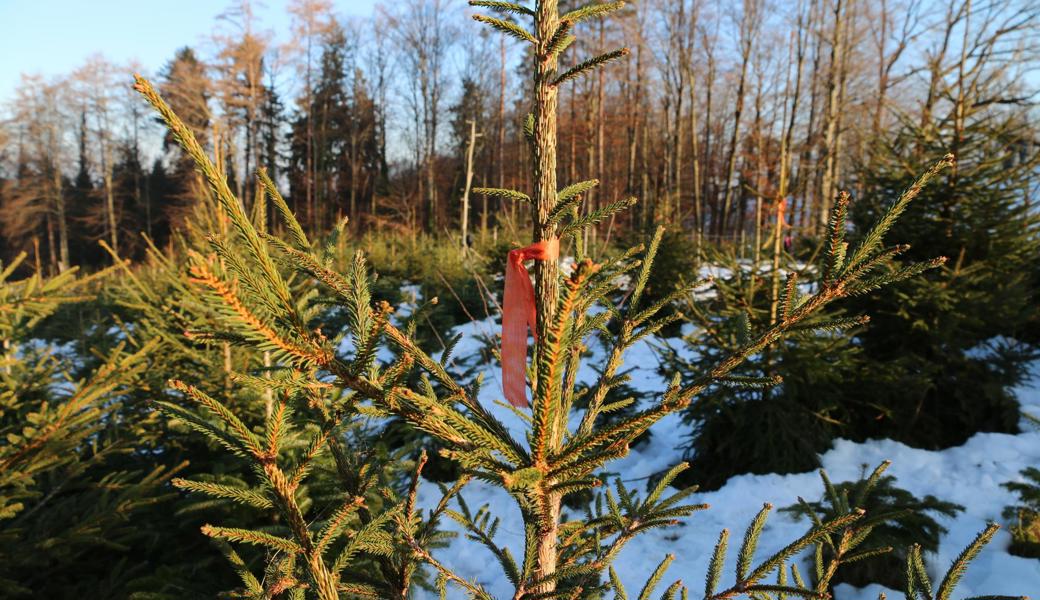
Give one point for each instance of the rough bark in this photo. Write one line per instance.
(547, 271)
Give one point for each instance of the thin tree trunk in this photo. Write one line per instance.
(469, 183)
(708, 192)
(546, 271)
(807, 217)
(110, 204)
(633, 102)
(830, 139)
(747, 33)
(501, 155)
(600, 112)
(695, 158)
(63, 226)
(786, 151)
(882, 70)
(310, 179)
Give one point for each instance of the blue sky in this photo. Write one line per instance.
(52, 37)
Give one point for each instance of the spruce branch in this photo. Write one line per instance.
(810, 538)
(372, 537)
(561, 39)
(481, 531)
(836, 244)
(960, 564)
(838, 324)
(749, 580)
(645, 266)
(336, 523)
(503, 7)
(590, 64)
(747, 548)
(507, 27)
(655, 577)
(615, 584)
(306, 353)
(277, 424)
(872, 240)
(406, 525)
(218, 184)
(198, 424)
(598, 216)
(916, 574)
(295, 230)
(569, 199)
(242, 433)
(750, 383)
(789, 298)
(251, 583)
(503, 193)
(254, 498)
(256, 538)
(592, 11)
(902, 274)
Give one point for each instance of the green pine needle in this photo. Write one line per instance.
(590, 64)
(507, 27)
(256, 538)
(960, 564)
(592, 10)
(503, 7)
(503, 193)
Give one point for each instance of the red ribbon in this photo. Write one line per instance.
(518, 313)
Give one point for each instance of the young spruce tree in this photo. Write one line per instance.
(69, 497)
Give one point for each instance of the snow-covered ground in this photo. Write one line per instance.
(970, 475)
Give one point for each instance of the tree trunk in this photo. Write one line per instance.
(747, 34)
(546, 271)
(708, 192)
(110, 203)
(63, 226)
(469, 183)
(695, 159)
(830, 140)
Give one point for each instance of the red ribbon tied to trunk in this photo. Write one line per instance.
(518, 314)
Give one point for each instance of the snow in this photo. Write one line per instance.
(970, 475)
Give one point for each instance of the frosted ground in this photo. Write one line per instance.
(970, 475)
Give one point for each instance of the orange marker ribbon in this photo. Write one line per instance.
(518, 314)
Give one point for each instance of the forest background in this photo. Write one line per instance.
(369, 118)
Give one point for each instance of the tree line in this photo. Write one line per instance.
(723, 112)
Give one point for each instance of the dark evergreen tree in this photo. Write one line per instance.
(131, 196)
(270, 137)
(943, 351)
(84, 207)
(779, 411)
(161, 189)
(69, 496)
(330, 112)
(362, 156)
(939, 357)
(186, 83)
